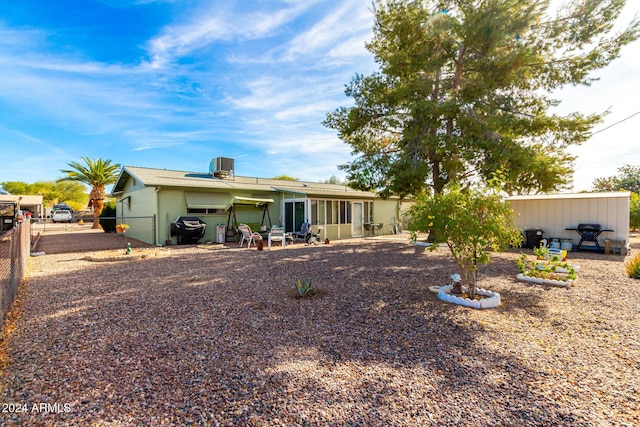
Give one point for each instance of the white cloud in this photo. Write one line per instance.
(347, 20)
(221, 23)
(147, 139)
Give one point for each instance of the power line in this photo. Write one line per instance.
(616, 123)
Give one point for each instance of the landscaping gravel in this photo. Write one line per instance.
(217, 337)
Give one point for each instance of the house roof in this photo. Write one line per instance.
(201, 180)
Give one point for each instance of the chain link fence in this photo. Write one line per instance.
(15, 249)
(140, 227)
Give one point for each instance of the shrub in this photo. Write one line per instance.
(633, 267)
(304, 287)
(541, 252)
(634, 211)
(107, 217)
(470, 223)
(547, 269)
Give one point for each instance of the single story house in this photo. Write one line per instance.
(149, 200)
(554, 214)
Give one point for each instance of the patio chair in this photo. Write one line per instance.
(307, 234)
(304, 231)
(248, 235)
(277, 235)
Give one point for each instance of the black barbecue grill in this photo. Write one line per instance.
(589, 233)
(189, 229)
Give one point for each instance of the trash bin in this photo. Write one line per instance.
(534, 236)
(220, 233)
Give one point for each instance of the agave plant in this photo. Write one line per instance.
(304, 287)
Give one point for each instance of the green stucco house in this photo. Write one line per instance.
(149, 200)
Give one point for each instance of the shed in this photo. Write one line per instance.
(554, 213)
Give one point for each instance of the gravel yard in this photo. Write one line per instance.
(216, 337)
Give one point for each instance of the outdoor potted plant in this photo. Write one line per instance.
(121, 228)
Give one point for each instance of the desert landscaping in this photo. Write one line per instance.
(213, 335)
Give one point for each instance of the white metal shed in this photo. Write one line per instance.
(554, 213)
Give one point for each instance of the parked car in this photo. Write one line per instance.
(62, 206)
(62, 215)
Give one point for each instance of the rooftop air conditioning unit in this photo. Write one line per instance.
(221, 167)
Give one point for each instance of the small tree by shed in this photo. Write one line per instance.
(471, 223)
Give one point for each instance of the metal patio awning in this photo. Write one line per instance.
(207, 200)
(248, 201)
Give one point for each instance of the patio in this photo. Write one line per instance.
(216, 336)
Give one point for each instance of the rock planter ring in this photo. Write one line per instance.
(137, 254)
(540, 281)
(492, 300)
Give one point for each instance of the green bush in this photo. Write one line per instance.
(107, 217)
(470, 222)
(633, 267)
(634, 211)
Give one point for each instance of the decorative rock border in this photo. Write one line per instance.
(540, 281)
(120, 256)
(492, 300)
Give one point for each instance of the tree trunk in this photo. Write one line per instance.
(97, 201)
(97, 210)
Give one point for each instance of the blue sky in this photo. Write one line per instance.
(174, 84)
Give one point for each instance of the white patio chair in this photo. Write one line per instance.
(248, 235)
(277, 235)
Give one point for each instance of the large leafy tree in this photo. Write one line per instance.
(97, 174)
(52, 192)
(628, 178)
(465, 89)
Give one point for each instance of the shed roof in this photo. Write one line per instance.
(200, 180)
(613, 194)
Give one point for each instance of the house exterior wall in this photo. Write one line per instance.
(167, 202)
(172, 204)
(554, 214)
(136, 208)
(383, 212)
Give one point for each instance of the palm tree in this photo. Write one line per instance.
(97, 174)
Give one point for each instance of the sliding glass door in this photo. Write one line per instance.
(294, 215)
